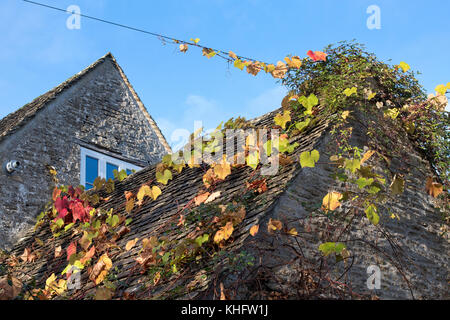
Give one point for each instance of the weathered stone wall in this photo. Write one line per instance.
(98, 110)
(413, 262)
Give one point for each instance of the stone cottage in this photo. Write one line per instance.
(410, 253)
(88, 126)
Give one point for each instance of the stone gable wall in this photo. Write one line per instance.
(98, 110)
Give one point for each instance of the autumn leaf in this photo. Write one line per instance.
(71, 249)
(224, 233)
(27, 255)
(309, 159)
(398, 185)
(198, 200)
(130, 244)
(55, 286)
(367, 156)
(156, 192)
(348, 92)
(196, 40)
(293, 232)
(183, 47)
(209, 53)
(130, 205)
(280, 70)
(223, 169)
(163, 177)
(252, 160)
(274, 225)
(239, 64)
(85, 241)
(58, 251)
(372, 215)
(282, 119)
(345, 114)
(317, 55)
(88, 256)
(293, 62)
(254, 230)
(10, 288)
(100, 269)
(329, 247)
(232, 55)
(433, 188)
(213, 197)
(331, 201)
(352, 164)
(404, 66)
(441, 89)
(103, 294)
(259, 186)
(209, 178)
(253, 68)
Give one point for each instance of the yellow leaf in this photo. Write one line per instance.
(404, 66)
(441, 89)
(224, 233)
(345, 114)
(156, 192)
(254, 230)
(196, 40)
(348, 92)
(331, 201)
(293, 232)
(143, 192)
(367, 156)
(209, 178)
(269, 68)
(282, 119)
(239, 64)
(222, 170)
(131, 244)
(293, 62)
(232, 55)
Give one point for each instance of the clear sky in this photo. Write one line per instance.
(39, 52)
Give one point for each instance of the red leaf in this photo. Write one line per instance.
(317, 55)
(78, 211)
(72, 249)
(61, 204)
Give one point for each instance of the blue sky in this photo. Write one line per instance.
(38, 52)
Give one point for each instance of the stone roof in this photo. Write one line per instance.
(15, 120)
(153, 215)
(288, 193)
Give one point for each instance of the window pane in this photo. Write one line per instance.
(109, 170)
(91, 171)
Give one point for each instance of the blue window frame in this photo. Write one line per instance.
(91, 171)
(110, 170)
(95, 164)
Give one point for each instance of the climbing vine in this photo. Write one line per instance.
(322, 87)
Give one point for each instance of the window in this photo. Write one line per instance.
(95, 164)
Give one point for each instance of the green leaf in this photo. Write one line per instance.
(309, 159)
(363, 182)
(372, 215)
(284, 146)
(164, 177)
(330, 247)
(202, 239)
(348, 92)
(397, 185)
(352, 164)
(308, 103)
(303, 125)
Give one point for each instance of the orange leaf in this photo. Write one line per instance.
(317, 55)
(433, 188)
(274, 225)
(183, 47)
(131, 244)
(201, 198)
(254, 230)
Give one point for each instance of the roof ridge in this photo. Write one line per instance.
(20, 117)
